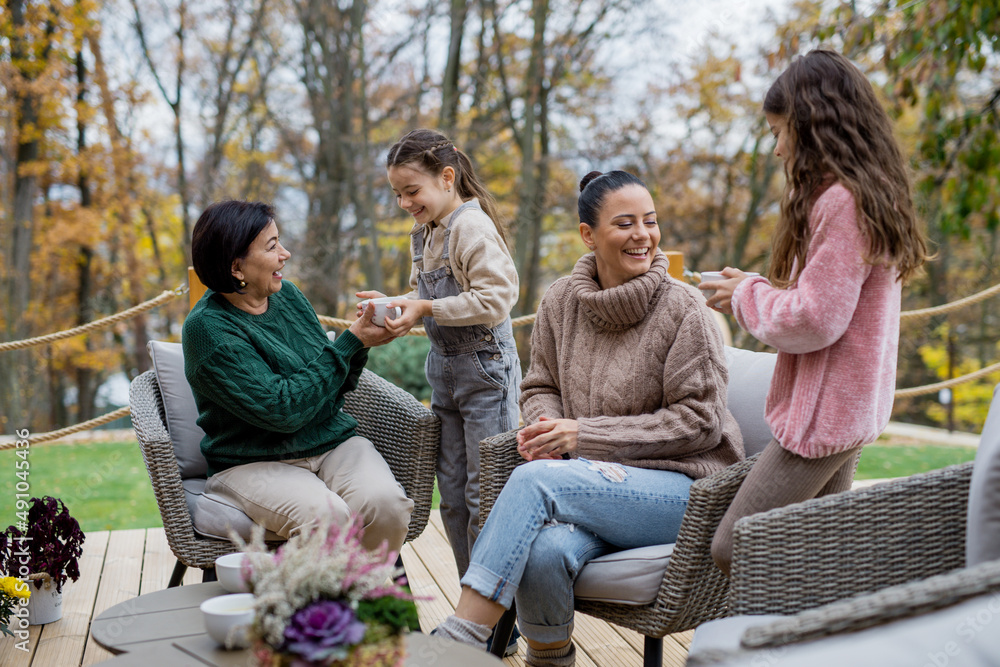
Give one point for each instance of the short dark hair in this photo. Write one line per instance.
(595, 186)
(222, 235)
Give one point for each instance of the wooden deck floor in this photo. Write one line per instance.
(120, 565)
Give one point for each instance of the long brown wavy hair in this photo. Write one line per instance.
(837, 128)
(432, 151)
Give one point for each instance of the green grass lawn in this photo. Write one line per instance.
(105, 485)
(879, 461)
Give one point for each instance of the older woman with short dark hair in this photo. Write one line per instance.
(270, 385)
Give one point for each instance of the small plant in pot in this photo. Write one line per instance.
(43, 548)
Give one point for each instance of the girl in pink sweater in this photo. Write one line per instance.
(846, 240)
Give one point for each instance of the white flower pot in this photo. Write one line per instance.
(45, 603)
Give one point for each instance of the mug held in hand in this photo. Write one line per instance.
(714, 276)
(382, 309)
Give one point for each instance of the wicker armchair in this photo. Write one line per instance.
(851, 543)
(922, 548)
(842, 563)
(693, 590)
(405, 432)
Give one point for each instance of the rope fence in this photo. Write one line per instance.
(37, 438)
(7, 442)
(415, 331)
(166, 297)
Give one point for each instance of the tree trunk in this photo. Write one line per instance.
(331, 62)
(17, 277)
(176, 109)
(86, 379)
(450, 92)
(529, 216)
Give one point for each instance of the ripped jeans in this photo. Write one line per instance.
(554, 516)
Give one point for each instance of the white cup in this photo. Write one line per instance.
(382, 309)
(228, 618)
(715, 276)
(229, 572)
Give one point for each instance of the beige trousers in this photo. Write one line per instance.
(779, 478)
(285, 496)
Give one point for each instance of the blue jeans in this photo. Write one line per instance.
(554, 516)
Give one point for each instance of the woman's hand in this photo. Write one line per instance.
(369, 294)
(722, 300)
(547, 439)
(414, 310)
(369, 333)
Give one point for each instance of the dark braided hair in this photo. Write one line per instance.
(431, 152)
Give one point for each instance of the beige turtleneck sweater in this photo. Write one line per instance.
(641, 367)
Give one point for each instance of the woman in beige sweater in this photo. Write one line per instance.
(625, 405)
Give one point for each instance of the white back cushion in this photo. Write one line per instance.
(749, 380)
(982, 541)
(179, 406)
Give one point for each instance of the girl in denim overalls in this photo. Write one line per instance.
(464, 286)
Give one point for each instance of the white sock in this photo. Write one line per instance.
(553, 657)
(461, 630)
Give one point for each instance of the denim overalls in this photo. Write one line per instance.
(475, 375)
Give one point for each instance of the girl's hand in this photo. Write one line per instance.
(547, 439)
(414, 310)
(369, 333)
(370, 294)
(722, 300)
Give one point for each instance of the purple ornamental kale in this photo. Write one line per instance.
(324, 629)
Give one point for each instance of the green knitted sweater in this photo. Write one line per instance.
(268, 387)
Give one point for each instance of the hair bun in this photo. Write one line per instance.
(588, 178)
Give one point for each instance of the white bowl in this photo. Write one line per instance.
(715, 276)
(229, 572)
(228, 618)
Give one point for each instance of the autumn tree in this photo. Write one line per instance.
(32, 67)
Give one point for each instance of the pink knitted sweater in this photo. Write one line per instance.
(836, 332)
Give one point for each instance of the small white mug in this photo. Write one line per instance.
(228, 618)
(715, 276)
(382, 309)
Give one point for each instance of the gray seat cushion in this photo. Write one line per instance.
(961, 635)
(211, 515)
(723, 635)
(634, 576)
(749, 380)
(214, 516)
(983, 521)
(629, 577)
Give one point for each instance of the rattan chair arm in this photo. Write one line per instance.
(885, 606)
(164, 476)
(693, 589)
(406, 434)
(497, 459)
(145, 411)
(831, 548)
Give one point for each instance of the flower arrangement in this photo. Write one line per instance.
(322, 599)
(45, 545)
(13, 592)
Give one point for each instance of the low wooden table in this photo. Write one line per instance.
(166, 628)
